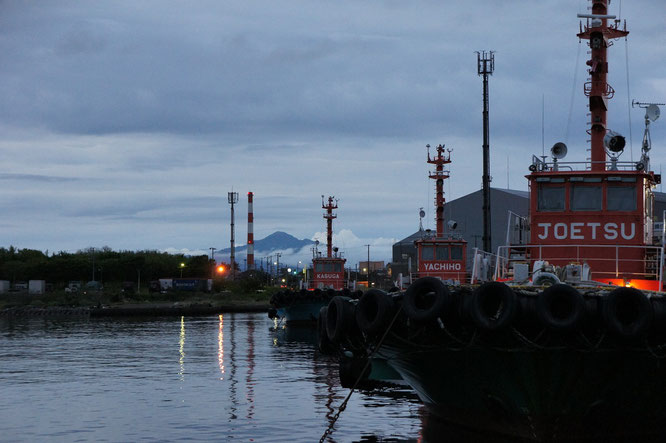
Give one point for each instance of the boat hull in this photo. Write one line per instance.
(303, 311)
(540, 395)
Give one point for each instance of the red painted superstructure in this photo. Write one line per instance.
(440, 256)
(329, 271)
(598, 216)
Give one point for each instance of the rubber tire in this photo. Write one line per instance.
(323, 343)
(555, 297)
(340, 318)
(623, 300)
(374, 312)
(546, 279)
(502, 302)
(426, 299)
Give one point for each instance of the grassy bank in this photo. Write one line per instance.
(121, 299)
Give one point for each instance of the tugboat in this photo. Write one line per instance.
(329, 271)
(567, 341)
(327, 280)
(442, 257)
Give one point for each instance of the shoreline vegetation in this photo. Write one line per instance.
(118, 304)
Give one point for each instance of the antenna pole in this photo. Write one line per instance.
(232, 197)
(329, 216)
(597, 89)
(439, 175)
(485, 67)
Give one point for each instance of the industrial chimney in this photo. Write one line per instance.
(250, 232)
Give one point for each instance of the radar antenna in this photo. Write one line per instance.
(652, 113)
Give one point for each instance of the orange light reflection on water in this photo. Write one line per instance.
(220, 346)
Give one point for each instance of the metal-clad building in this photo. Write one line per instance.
(466, 211)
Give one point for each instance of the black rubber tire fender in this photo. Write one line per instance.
(659, 309)
(374, 311)
(493, 306)
(323, 343)
(426, 299)
(340, 318)
(627, 312)
(560, 307)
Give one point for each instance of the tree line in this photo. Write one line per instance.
(105, 264)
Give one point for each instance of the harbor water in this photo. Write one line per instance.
(232, 377)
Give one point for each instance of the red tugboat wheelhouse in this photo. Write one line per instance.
(329, 271)
(443, 256)
(591, 221)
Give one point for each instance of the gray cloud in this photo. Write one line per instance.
(128, 122)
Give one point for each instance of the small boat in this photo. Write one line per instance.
(327, 280)
(566, 337)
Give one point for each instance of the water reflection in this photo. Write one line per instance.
(233, 409)
(220, 345)
(181, 360)
(112, 379)
(250, 369)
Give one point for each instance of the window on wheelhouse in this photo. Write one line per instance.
(338, 267)
(456, 253)
(319, 267)
(621, 198)
(329, 267)
(585, 198)
(551, 198)
(428, 253)
(442, 252)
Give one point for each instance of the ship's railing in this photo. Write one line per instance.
(517, 229)
(541, 165)
(619, 256)
(482, 265)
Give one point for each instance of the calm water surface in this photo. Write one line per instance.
(232, 377)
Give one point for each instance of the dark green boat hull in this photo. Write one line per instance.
(538, 394)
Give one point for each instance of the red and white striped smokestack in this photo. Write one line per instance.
(250, 232)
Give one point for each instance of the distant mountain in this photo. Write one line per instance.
(277, 241)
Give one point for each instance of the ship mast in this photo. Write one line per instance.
(439, 175)
(598, 32)
(329, 216)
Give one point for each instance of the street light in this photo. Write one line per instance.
(182, 266)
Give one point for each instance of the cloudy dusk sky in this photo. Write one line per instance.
(125, 123)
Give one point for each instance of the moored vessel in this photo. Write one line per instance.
(327, 280)
(567, 338)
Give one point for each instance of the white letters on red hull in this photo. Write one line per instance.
(323, 276)
(442, 266)
(586, 231)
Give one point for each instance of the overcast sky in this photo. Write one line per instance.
(125, 123)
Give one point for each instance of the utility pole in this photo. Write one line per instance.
(485, 67)
(212, 259)
(232, 197)
(368, 266)
(277, 269)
